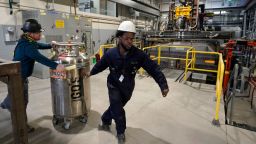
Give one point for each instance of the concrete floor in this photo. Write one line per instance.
(183, 117)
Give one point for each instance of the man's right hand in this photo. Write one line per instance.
(60, 67)
(84, 73)
(87, 75)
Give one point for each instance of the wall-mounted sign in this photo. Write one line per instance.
(59, 24)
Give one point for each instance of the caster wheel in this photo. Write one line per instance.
(66, 125)
(55, 121)
(83, 119)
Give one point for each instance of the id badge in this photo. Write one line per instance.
(121, 78)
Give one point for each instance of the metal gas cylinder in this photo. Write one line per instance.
(70, 91)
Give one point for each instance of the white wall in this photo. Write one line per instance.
(102, 31)
(6, 18)
(111, 8)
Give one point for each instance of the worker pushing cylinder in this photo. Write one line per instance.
(70, 90)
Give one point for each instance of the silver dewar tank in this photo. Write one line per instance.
(70, 91)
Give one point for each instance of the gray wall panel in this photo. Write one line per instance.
(100, 36)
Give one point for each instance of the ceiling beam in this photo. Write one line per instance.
(250, 4)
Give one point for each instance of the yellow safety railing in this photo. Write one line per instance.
(102, 47)
(219, 79)
(219, 89)
(190, 65)
(160, 47)
(137, 44)
(159, 57)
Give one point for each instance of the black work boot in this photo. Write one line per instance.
(2, 105)
(104, 127)
(30, 129)
(121, 138)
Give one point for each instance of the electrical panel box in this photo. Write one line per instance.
(9, 33)
(60, 27)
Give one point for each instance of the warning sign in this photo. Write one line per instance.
(59, 24)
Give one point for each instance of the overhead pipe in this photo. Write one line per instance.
(16, 23)
(70, 3)
(48, 7)
(197, 11)
(245, 24)
(10, 5)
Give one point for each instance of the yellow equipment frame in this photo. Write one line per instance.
(182, 11)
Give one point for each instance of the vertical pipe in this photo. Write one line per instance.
(16, 24)
(53, 4)
(233, 93)
(70, 11)
(244, 28)
(75, 6)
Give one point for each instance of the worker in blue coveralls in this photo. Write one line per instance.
(123, 62)
(27, 53)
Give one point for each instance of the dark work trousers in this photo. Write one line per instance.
(7, 101)
(115, 110)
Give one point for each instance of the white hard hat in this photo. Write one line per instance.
(127, 26)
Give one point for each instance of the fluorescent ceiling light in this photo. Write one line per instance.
(224, 12)
(216, 12)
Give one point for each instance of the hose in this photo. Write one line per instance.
(10, 5)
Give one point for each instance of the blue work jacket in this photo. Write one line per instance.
(27, 53)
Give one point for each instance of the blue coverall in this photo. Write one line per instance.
(27, 53)
(121, 82)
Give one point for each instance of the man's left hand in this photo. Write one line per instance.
(165, 92)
